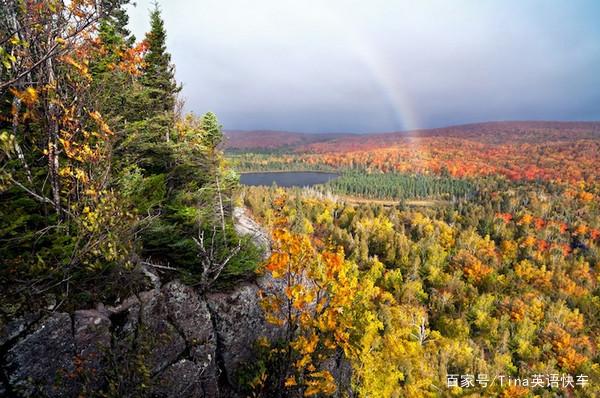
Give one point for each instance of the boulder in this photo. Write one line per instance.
(15, 327)
(173, 326)
(141, 324)
(42, 363)
(165, 344)
(246, 226)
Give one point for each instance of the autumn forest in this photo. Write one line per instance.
(475, 248)
(461, 261)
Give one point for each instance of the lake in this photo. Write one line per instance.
(287, 178)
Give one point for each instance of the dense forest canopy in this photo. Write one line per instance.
(475, 251)
(502, 283)
(437, 262)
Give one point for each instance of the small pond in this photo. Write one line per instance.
(287, 178)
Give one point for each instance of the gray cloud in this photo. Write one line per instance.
(343, 65)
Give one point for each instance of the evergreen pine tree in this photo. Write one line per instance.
(148, 142)
(159, 72)
(115, 14)
(113, 86)
(212, 133)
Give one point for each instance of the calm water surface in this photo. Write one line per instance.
(287, 179)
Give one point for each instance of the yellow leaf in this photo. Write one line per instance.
(290, 381)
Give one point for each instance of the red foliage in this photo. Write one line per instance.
(506, 217)
(559, 151)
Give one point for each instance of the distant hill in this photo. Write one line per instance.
(524, 132)
(488, 132)
(247, 140)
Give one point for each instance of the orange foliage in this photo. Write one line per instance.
(528, 241)
(539, 223)
(472, 267)
(517, 150)
(515, 392)
(526, 219)
(506, 217)
(581, 230)
(563, 346)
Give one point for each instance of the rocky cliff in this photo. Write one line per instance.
(170, 341)
(170, 338)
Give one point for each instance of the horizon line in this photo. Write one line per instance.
(264, 130)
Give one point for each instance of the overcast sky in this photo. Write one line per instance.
(362, 66)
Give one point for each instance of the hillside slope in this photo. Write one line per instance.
(247, 140)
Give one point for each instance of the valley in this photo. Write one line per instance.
(481, 240)
(152, 249)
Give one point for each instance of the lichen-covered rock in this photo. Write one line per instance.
(15, 327)
(191, 316)
(170, 326)
(164, 342)
(42, 363)
(245, 226)
(180, 380)
(142, 323)
(239, 322)
(92, 345)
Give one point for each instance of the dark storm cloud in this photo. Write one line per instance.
(383, 65)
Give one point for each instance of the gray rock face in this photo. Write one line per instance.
(166, 342)
(65, 356)
(239, 322)
(245, 226)
(92, 344)
(191, 316)
(41, 364)
(15, 327)
(181, 380)
(175, 325)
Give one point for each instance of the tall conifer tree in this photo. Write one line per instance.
(148, 142)
(159, 72)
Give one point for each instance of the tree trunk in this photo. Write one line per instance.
(221, 210)
(15, 126)
(52, 121)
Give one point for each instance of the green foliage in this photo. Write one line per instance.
(145, 193)
(212, 134)
(258, 161)
(158, 71)
(401, 186)
(96, 174)
(242, 266)
(128, 373)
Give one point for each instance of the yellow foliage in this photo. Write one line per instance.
(290, 382)
(325, 217)
(29, 96)
(526, 219)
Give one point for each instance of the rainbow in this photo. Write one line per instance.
(382, 75)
